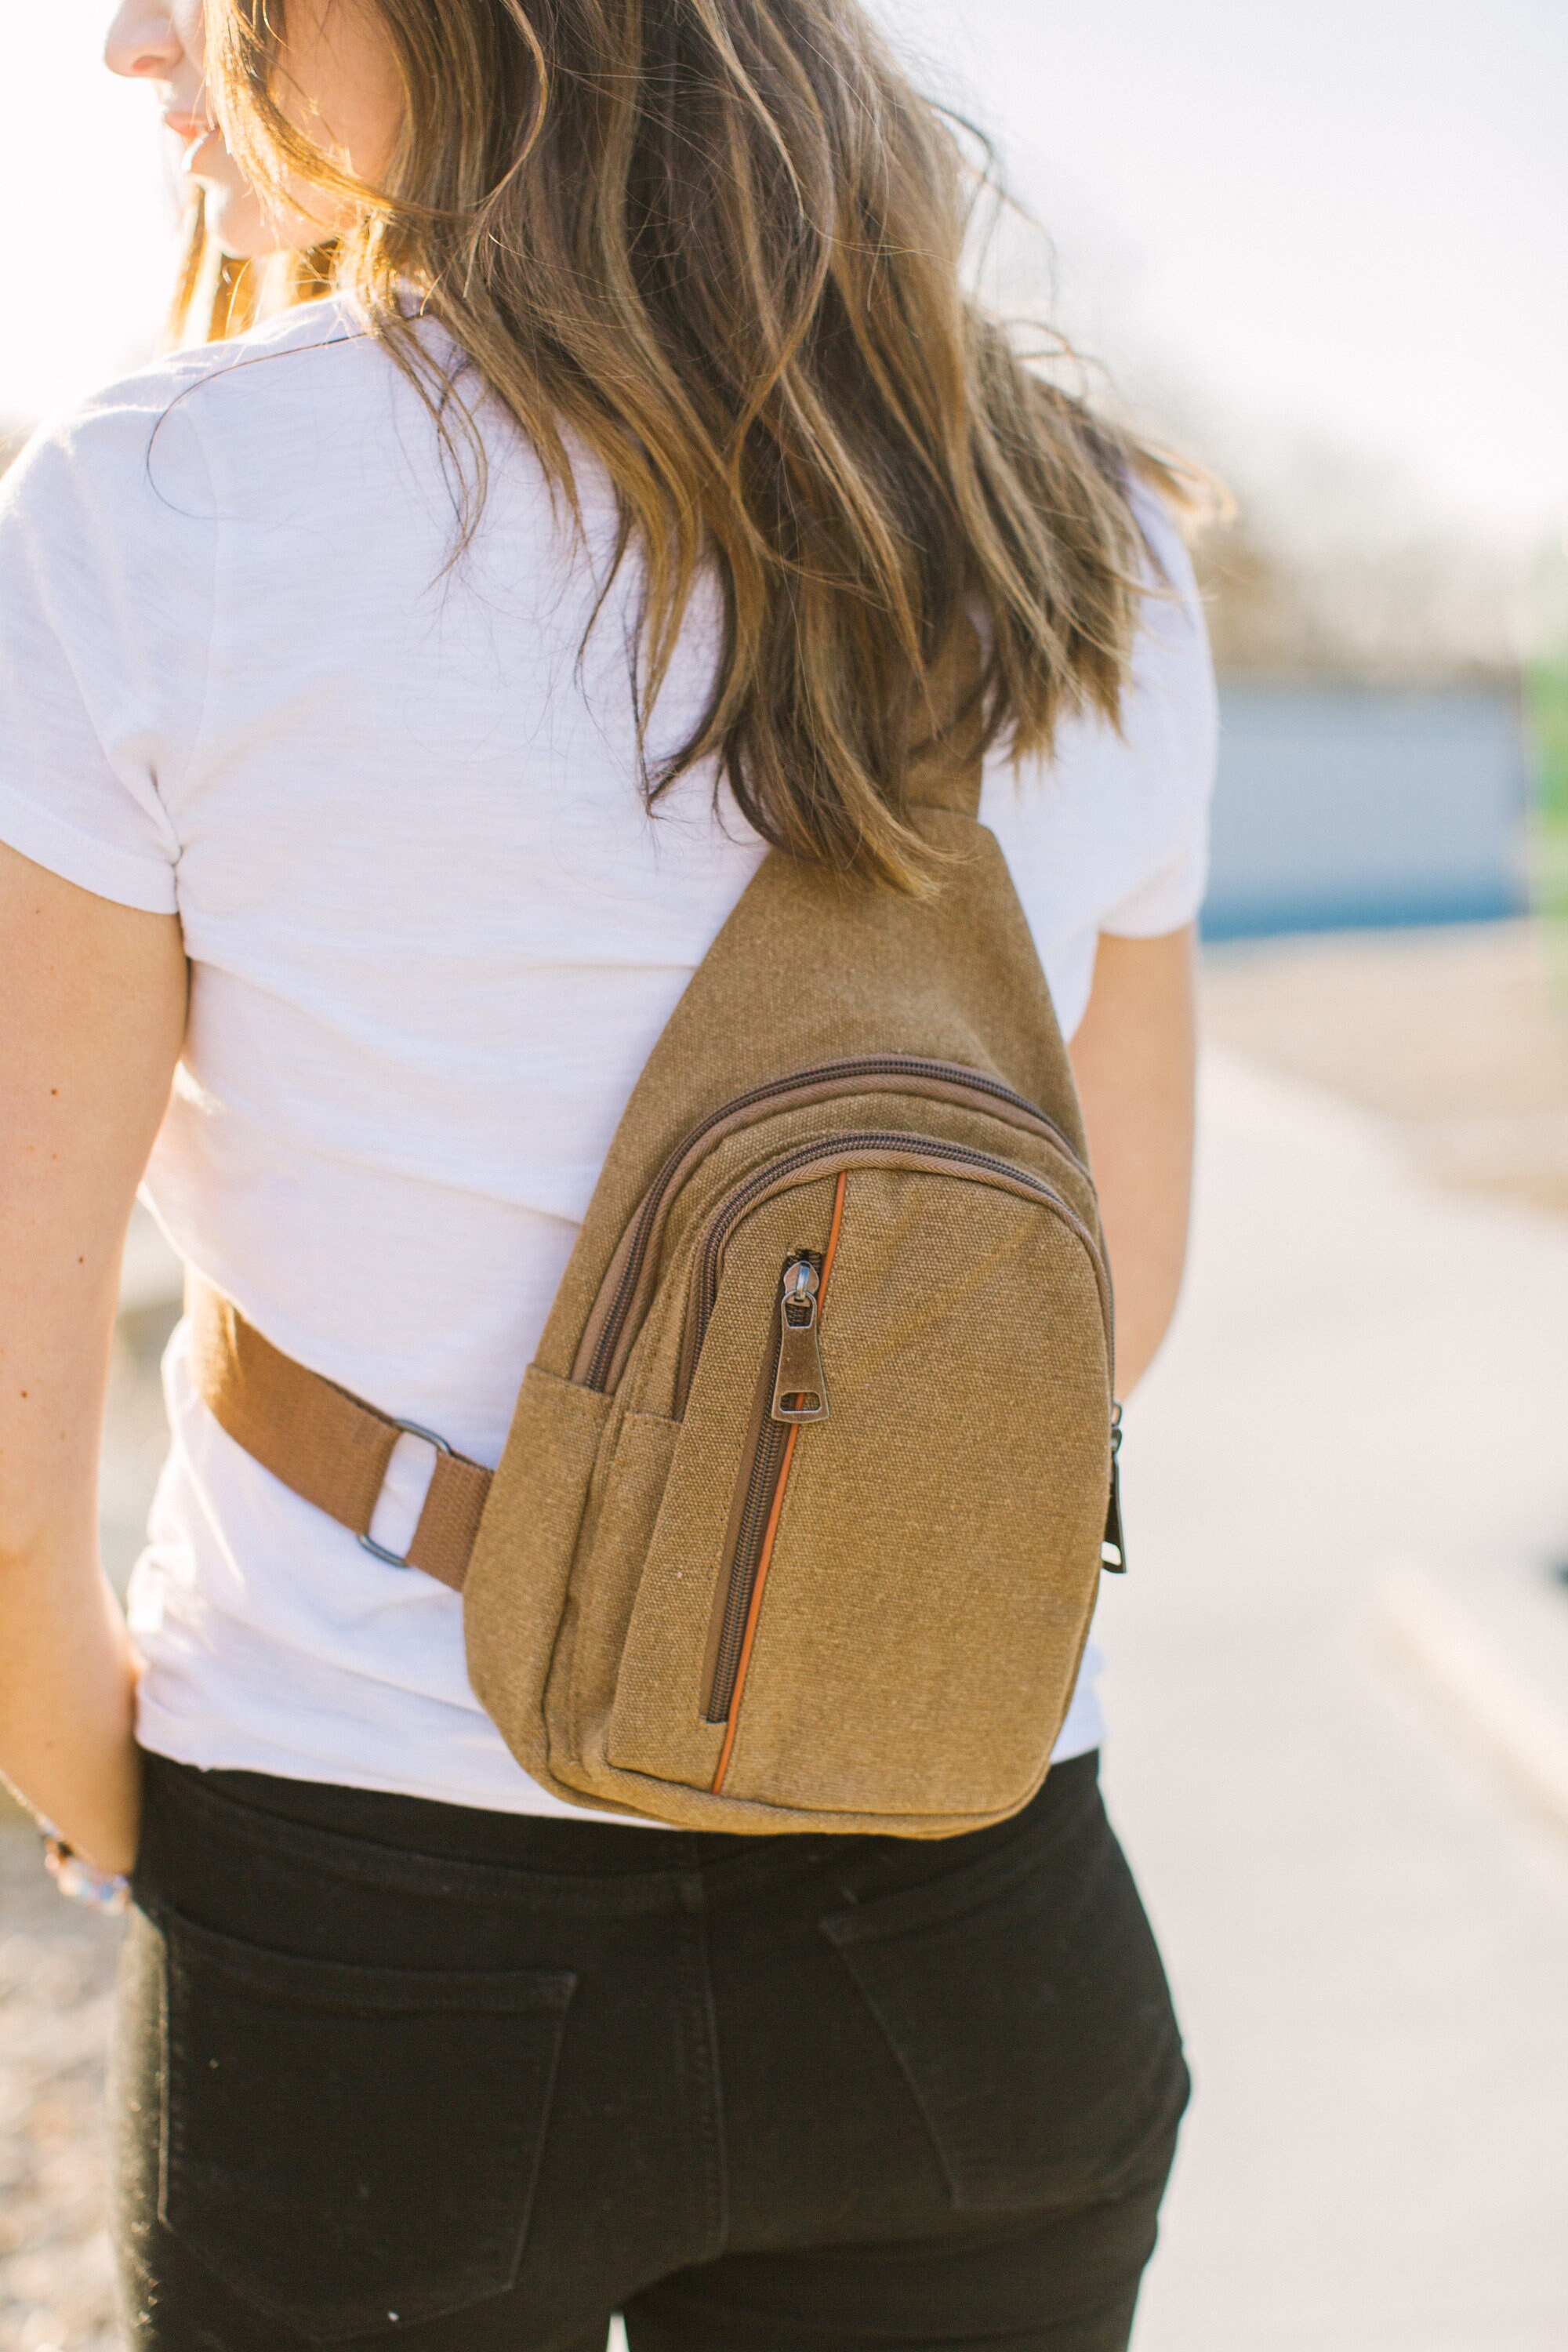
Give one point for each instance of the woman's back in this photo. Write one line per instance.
(395, 797)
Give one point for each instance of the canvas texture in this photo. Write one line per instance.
(858, 1142)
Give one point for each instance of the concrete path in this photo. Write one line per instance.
(1365, 1922)
(57, 1973)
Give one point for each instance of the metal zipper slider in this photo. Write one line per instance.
(800, 1392)
(1113, 1550)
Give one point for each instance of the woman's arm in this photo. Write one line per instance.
(1133, 1060)
(95, 1013)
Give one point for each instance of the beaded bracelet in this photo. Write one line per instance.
(101, 1890)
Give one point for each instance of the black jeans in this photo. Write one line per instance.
(389, 2069)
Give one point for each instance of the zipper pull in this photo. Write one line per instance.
(1113, 1549)
(800, 1392)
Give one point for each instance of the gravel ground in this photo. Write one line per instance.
(57, 1975)
(1459, 1036)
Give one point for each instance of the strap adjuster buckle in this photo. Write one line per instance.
(379, 1551)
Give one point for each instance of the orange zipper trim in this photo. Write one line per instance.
(765, 1558)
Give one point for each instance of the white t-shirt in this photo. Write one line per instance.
(433, 936)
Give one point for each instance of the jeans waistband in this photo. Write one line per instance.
(417, 1844)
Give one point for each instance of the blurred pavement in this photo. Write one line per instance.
(1365, 1923)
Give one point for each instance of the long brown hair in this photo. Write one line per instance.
(720, 244)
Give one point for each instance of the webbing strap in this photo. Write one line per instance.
(325, 1445)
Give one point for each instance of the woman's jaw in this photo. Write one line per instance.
(240, 223)
(338, 64)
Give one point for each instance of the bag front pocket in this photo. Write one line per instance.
(916, 1595)
(871, 1580)
(348, 2147)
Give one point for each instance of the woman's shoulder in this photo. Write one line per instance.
(1173, 634)
(1160, 747)
(149, 437)
(1109, 831)
(1168, 738)
(306, 341)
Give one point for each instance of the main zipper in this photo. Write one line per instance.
(873, 1065)
(709, 1262)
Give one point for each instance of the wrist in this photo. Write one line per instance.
(80, 1880)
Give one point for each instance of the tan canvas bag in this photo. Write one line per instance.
(800, 1519)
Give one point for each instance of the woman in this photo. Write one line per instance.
(395, 702)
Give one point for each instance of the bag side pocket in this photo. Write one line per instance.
(1024, 1998)
(348, 2147)
(608, 1578)
(516, 1595)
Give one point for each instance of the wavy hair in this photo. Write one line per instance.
(720, 243)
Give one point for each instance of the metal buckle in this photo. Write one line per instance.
(409, 1429)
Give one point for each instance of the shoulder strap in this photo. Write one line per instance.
(323, 1444)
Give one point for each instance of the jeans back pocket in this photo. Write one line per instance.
(348, 2147)
(1024, 1999)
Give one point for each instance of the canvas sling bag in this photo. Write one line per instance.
(800, 1518)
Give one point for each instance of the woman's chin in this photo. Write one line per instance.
(245, 229)
(238, 223)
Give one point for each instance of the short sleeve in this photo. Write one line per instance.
(1170, 718)
(1109, 833)
(107, 532)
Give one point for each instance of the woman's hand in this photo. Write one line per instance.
(95, 1013)
(1133, 1057)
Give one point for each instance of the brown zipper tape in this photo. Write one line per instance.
(765, 1558)
(623, 1294)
